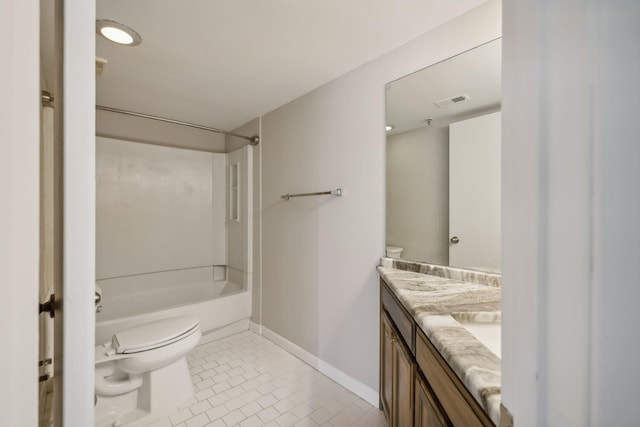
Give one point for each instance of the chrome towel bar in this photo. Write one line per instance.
(336, 192)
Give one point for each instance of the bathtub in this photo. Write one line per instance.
(133, 300)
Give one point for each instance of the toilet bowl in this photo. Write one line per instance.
(143, 370)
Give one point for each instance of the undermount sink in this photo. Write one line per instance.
(487, 331)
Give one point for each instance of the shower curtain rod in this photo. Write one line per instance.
(253, 140)
(47, 100)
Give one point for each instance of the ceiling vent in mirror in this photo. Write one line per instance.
(452, 100)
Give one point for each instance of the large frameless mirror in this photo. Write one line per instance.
(443, 161)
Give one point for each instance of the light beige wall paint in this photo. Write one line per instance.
(320, 285)
(418, 193)
(120, 126)
(233, 143)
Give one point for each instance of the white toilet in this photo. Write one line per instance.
(143, 371)
(394, 252)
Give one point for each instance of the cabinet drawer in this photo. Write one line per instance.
(457, 402)
(402, 320)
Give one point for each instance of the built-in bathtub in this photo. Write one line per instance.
(133, 300)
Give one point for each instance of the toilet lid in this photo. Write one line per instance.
(154, 334)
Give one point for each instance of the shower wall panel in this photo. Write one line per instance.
(158, 209)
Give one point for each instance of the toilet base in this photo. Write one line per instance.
(165, 389)
(162, 392)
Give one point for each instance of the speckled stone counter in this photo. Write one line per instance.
(435, 302)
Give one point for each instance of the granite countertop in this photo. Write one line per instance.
(434, 301)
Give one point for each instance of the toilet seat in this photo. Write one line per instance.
(154, 335)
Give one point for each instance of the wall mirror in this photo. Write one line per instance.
(443, 161)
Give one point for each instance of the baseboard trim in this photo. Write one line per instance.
(358, 388)
(225, 331)
(255, 327)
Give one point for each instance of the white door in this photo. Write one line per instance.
(19, 119)
(474, 192)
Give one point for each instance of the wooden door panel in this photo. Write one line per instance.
(427, 413)
(386, 374)
(403, 370)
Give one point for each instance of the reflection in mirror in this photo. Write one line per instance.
(443, 162)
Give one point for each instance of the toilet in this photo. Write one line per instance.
(143, 372)
(394, 252)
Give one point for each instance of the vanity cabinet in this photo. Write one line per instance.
(427, 413)
(417, 386)
(458, 404)
(386, 365)
(397, 377)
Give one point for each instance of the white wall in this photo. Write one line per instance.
(19, 173)
(155, 208)
(234, 143)
(320, 285)
(239, 223)
(571, 235)
(418, 193)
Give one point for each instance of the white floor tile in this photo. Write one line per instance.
(254, 421)
(246, 380)
(200, 407)
(268, 414)
(217, 412)
(198, 421)
(233, 417)
(267, 400)
(251, 408)
(180, 416)
(287, 419)
(320, 416)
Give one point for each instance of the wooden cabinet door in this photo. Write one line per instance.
(427, 413)
(403, 372)
(386, 360)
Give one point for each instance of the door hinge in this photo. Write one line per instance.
(46, 98)
(48, 306)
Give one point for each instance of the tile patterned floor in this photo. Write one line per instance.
(246, 380)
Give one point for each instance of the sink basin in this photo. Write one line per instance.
(488, 331)
(488, 334)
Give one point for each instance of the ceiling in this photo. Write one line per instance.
(222, 63)
(476, 73)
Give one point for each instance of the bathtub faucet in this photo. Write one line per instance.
(98, 300)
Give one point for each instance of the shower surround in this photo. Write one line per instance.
(171, 235)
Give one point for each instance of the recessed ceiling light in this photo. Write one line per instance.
(117, 33)
(389, 127)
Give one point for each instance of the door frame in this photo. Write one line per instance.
(74, 104)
